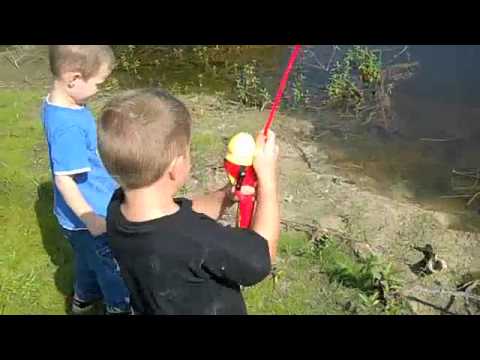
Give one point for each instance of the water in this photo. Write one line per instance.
(440, 102)
(185, 69)
(438, 129)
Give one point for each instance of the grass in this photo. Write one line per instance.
(300, 287)
(313, 280)
(35, 271)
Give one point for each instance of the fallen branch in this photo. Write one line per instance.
(441, 291)
(439, 140)
(300, 152)
(475, 174)
(405, 48)
(316, 232)
(465, 173)
(423, 302)
(323, 133)
(473, 198)
(303, 156)
(318, 64)
(455, 196)
(306, 228)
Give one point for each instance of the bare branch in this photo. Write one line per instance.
(441, 291)
(438, 140)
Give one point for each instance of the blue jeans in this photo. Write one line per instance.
(97, 273)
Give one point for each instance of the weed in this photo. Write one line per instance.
(130, 62)
(249, 88)
(359, 70)
(376, 279)
(298, 93)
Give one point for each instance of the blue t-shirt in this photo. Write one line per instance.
(72, 147)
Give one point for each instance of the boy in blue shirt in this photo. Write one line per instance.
(82, 186)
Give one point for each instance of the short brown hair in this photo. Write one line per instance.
(85, 59)
(140, 133)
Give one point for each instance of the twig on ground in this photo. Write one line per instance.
(442, 291)
(439, 140)
(473, 197)
(455, 196)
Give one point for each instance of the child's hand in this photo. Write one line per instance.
(266, 158)
(96, 225)
(245, 190)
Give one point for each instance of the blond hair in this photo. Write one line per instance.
(140, 133)
(85, 59)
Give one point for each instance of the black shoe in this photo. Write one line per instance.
(80, 307)
(109, 310)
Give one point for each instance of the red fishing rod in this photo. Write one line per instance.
(281, 89)
(239, 159)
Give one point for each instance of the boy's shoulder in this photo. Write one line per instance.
(184, 219)
(58, 119)
(52, 112)
(185, 222)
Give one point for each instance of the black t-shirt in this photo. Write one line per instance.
(185, 263)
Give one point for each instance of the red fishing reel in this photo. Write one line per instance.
(239, 167)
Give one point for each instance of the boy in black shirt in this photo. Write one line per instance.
(173, 255)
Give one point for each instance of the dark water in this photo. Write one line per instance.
(440, 102)
(185, 69)
(443, 102)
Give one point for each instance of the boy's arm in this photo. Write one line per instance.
(245, 256)
(239, 255)
(266, 220)
(214, 204)
(69, 159)
(75, 200)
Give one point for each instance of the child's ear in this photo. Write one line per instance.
(172, 169)
(176, 169)
(71, 78)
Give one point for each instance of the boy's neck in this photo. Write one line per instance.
(148, 203)
(58, 96)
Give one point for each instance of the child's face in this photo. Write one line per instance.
(81, 90)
